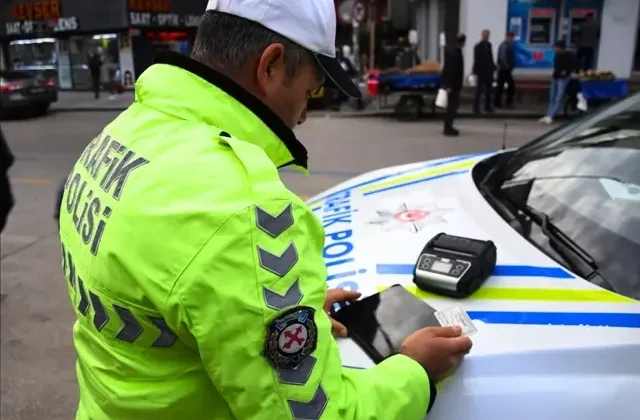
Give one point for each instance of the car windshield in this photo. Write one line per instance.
(585, 177)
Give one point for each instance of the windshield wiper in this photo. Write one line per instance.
(577, 258)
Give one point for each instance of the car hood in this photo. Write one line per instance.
(549, 344)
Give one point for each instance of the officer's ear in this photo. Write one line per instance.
(271, 73)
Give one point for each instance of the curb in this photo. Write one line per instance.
(438, 116)
(360, 114)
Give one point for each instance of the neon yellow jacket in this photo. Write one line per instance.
(183, 252)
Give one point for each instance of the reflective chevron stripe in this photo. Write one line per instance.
(131, 328)
(83, 305)
(276, 301)
(311, 410)
(167, 338)
(72, 269)
(64, 259)
(299, 375)
(274, 226)
(100, 317)
(278, 265)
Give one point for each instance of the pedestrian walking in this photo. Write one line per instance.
(588, 40)
(452, 78)
(197, 278)
(506, 64)
(95, 69)
(564, 65)
(6, 195)
(484, 68)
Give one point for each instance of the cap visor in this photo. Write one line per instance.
(334, 71)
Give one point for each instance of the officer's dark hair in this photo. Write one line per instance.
(227, 42)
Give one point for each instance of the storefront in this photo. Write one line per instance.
(59, 36)
(539, 23)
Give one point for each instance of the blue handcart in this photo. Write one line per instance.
(414, 88)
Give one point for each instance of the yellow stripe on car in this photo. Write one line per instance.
(530, 294)
(419, 175)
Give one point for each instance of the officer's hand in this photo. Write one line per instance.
(438, 350)
(339, 296)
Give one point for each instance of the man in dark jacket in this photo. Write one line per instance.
(564, 64)
(452, 77)
(95, 65)
(6, 196)
(506, 64)
(483, 67)
(589, 38)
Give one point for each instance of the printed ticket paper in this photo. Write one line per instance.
(456, 316)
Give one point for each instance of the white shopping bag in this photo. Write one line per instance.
(442, 99)
(472, 80)
(582, 103)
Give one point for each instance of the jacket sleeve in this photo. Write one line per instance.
(263, 263)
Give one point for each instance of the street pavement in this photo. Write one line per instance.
(36, 354)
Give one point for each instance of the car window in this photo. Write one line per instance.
(589, 186)
(597, 206)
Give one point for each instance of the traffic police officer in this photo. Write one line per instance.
(197, 277)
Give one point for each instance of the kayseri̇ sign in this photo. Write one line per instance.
(42, 16)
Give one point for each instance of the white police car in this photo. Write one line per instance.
(558, 321)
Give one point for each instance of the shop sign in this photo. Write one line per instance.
(39, 16)
(158, 13)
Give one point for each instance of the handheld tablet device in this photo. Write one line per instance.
(379, 323)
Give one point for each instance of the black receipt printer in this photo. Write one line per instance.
(454, 266)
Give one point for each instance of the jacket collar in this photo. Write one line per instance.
(182, 87)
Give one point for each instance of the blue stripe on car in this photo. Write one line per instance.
(500, 270)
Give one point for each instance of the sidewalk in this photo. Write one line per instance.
(69, 101)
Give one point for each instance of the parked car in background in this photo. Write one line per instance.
(21, 92)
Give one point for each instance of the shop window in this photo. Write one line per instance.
(80, 50)
(33, 54)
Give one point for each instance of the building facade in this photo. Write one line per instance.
(57, 36)
(537, 25)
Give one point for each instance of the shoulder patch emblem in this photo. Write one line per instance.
(291, 337)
